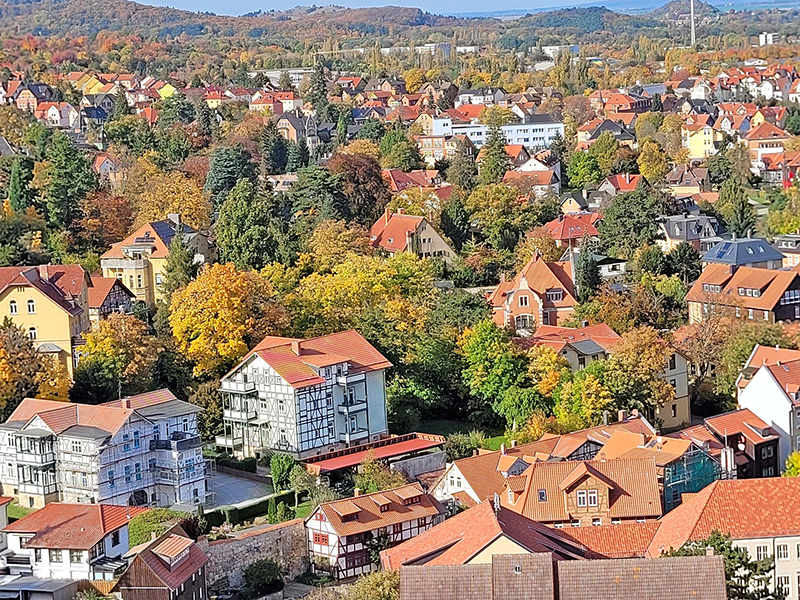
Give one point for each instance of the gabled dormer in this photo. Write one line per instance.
(586, 490)
(173, 550)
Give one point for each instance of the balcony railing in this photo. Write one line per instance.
(33, 458)
(36, 488)
(235, 414)
(349, 407)
(176, 443)
(18, 560)
(227, 442)
(241, 387)
(123, 263)
(350, 379)
(353, 435)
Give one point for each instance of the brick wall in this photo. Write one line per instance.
(284, 542)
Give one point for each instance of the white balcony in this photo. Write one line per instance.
(353, 436)
(348, 408)
(239, 414)
(123, 263)
(237, 387)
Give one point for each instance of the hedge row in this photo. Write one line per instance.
(234, 515)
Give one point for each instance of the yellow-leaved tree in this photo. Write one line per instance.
(221, 315)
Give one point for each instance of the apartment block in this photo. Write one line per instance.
(138, 451)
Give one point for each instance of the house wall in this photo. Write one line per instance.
(451, 482)
(502, 545)
(768, 401)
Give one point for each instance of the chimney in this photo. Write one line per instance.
(356, 492)
(126, 403)
(176, 220)
(387, 214)
(513, 443)
(503, 448)
(635, 413)
(296, 347)
(622, 415)
(401, 211)
(152, 535)
(584, 323)
(627, 178)
(44, 272)
(709, 551)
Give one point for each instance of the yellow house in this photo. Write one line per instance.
(51, 304)
(165, 90)
(92, 86)
(699, 139)
(140, 260)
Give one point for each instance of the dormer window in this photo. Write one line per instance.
(542, 495)
(555, 295)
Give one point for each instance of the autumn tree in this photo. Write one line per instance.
(537, 241)
(604, 151)
(501, 216)
(404, 155)
(334, 241)
(20, 367)
(221, 314)
(363, 186)
(631, 221)
(374, 476)
(107, 218)
(652, 161)
(634, 371)
(119, 354)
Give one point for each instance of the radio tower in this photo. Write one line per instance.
(691, 10)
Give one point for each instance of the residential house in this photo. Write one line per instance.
(534, 131)
(170, 567)
(486, 97)
(398, 232)
(140, 259)
(746, 292)
(701, 232)
(534, 183)
(760, 356)
(107, 168)
(108, 295)
(61, 115)
(419, 181)
(440, 89)
(142, 450)
(619, 184)
(766, 138)
(517, 154)
(760, 516)
(568, 230)
(700, 139)
(305, 397)
(623, 135)
(788, 245)
(581, 346)
(779, 168)
(539, 577)
(437, 147)
(70, 541)
(476, 535)
(295, 126)
(744, 252)
(51, 304)
(29, 96)
(585, 493)
(684, 179)
(542, 293)
(739, 439)
(339, 531)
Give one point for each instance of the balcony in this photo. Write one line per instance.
(350, 379)
(178, 442)
(236, 414)
(123, 263)
(225, 441)
(353, 436)
(237, 387)
(31, 458)
(348, 407)
(36, 488)
(18, 560)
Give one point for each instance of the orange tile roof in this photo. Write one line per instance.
(741, 422)
(72, 526)
(547, 177)
(369, 515)
(460, 538)
(539, 276)
(787, 375)
(624, 182)
(630, 540)
(391, 230)
(101, 287)
(771, 283)
(59, 283)
(345, 346)
(742, 508)
(633, 484)
(766, 131)
(470, 111)
(573, 226)
(172, 546)
(60, 416)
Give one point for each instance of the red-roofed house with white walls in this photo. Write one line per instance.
(398, 232)
(305, 397)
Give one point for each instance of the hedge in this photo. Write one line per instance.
(249, 512)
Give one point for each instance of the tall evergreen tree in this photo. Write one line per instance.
(285, 81)
(179, 270)
(736, 208)
(496, 161)
(19, 194)
(273, 151)
(657, 105)
(205, 119)
(462, 171)
(69, 179)
(120, 106)
(318, 92)
(226, 167)
(587, 273)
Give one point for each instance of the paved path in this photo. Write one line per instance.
(230, 490)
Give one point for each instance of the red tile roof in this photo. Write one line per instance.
(369, 515)
(60, 416)
(101, 288)
(771, 283)
(766, 131)
(742, 508)
(741, 422)
(630, 540)
(458, 539)
(392, 230)
(172, 546)
(624, 182)
(294, 359)
(72, 526)
(60, 283)
(540, 276)
(573, 226)
(172, 576)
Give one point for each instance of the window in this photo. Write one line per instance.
(55, 556)
(135, 439)
(673, 362)
(674, 410)
(782, 584)
(76, 446)
(543, 498)
(127, 471)
(321, 539)
(592, 496)
(768, 452)
(575, 523)
(555, 295)
(32, 333)
(115, 538)
(139, 280)
(126, 446)
(596, 521)
(616, 521)
(75, 556)
(137, 469)
(523, 300)
(762, 552)
(155, 431)
(397, 528)
(782, 551)
(159, 279)
(111, 478)
(422, 522)
(37, 554)
(12, 307)
(31, 307)
(581, 498)
(768, 472)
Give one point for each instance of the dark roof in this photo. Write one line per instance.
(619, 132)
(6, 149)
(692, 227)
(742, 252)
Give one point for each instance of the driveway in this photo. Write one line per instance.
(229, 490)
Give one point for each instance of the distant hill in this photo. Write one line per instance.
(681, 8)
(586, 20)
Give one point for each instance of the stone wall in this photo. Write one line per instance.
(284, 542)
(417, 465)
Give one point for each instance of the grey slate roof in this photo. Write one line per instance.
(692, 227)
(742, 252)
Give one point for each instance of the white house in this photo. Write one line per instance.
(305, 397)
(338, 532)
(70, 541)
(536, 131)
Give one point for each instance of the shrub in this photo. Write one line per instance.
(156, 520)
(263, 577)
(231, 514)
(281, 466)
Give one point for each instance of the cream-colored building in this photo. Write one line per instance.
(51, 304)
(399, 232)
(140, 260)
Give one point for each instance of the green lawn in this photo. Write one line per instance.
(493, 443)
(15, 511)
(444, 426)
(303, 509)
